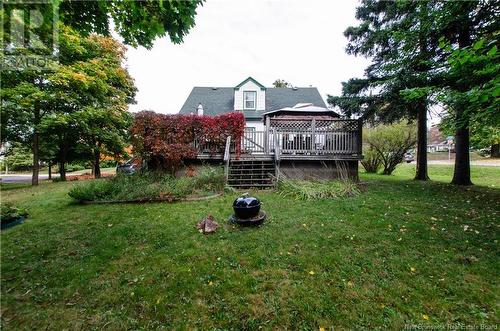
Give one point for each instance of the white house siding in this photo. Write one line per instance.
(249, 86)
(258, 125)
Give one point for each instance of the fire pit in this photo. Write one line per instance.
(247, 211)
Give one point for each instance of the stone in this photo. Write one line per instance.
(207, 225)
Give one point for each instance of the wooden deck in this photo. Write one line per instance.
(338, 141)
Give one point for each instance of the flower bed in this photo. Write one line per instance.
(150, 187)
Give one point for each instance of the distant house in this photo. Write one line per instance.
(250, 97)
(436, 142)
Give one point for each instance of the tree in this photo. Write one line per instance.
(25, 101)
(89, 78)
(398, 36)
(281, 83)
(137, 22)
(390, 143)
(17, 157)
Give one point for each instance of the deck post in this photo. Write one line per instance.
(313, 135)
(266, 135)
(360, 137)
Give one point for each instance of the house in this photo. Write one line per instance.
(250, 97)
(436, 142)
(289, 132)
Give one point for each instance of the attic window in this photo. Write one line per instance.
(249, 98)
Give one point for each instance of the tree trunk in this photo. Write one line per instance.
(421, 173)
(50, 170)
(97, 167)
(461, 174)
(36, 149)
(62, 171)
(495, 150)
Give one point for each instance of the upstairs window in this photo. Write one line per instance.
(249, 99)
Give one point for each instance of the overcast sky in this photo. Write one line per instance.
(296, 40)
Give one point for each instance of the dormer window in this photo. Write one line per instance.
(249, 99)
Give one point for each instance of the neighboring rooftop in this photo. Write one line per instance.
(218, 100)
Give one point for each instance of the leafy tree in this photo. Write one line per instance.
(17, 157)
(89, 78)
(281, 83)
(399, 37)
(137, 22)
(390, 143)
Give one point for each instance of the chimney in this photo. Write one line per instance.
(200, 110)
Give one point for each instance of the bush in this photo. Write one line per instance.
(74, 167)
(149, 186)
(313, 190)
(107, 164)
(9, 213)
(390, 143)
(164, 141)
(371, 160)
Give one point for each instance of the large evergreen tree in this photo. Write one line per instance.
(398, 36)
(422, 52)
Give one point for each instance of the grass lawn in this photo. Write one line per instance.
(401, 252)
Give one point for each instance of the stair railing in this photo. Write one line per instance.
(227, 157)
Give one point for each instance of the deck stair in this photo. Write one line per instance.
(246, 173)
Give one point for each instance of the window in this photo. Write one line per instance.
(249, 98)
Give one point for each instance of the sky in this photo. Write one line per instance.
(299, 41)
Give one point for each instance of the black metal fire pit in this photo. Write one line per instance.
(246, 207)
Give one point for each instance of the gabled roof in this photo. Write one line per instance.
(262, 87)
(219, 100)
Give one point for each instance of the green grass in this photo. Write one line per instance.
(380, 260)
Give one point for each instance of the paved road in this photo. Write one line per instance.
(23, 178)
(487, 163)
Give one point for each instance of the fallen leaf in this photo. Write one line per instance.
(349, 283)
(311, 272)
(425, 317)
(412, 269)
(210, 283)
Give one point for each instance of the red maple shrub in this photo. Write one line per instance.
(165, 141)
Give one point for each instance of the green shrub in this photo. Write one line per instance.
(391, 142)
(74, 167)
(371, 160)
(107, 164)
(313, 190)
(10, 213)
(149, 186)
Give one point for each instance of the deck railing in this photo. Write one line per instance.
(343, 140)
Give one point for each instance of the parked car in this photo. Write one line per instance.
(409, 157)
(128, 168)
